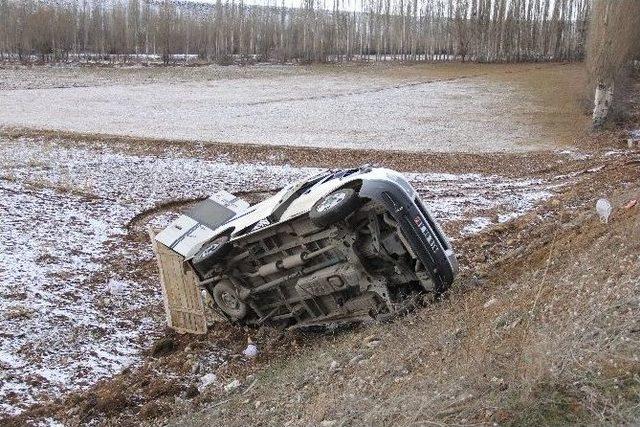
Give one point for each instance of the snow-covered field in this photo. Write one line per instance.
(284, 107)
(79, 299)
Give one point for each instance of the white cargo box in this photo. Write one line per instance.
(183, 303)
(187, 233)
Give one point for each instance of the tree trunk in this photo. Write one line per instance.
(602, 104)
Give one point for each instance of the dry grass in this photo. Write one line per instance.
(550, 338)
(63, 185)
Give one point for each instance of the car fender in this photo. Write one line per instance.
(305, 202)
(379, 180)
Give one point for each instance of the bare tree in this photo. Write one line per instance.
(318, 31)
(614, 38)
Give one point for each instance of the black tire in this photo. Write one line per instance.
(335, 207)
(227, 300)
(211, 254)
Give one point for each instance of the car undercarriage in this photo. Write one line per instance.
(297, 273)
(341, 246)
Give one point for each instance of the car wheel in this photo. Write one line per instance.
(227, 299)
(210, 254)
(334, 207)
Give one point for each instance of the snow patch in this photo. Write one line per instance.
(77, 303)
(477, 224)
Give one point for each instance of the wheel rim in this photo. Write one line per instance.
(210, 249)
(331, 201)
(230, 301)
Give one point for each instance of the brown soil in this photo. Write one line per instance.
(535, 164)
(539, 328)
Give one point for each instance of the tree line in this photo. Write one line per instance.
(410, 30)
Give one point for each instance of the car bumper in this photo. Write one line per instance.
(419, 228)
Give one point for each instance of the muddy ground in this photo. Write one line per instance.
(78, 273)
(87, 304)
(528, 335)
(443, 108)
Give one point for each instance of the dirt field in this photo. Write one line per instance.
(445, 108)
(87, 289)
(88, 303)
(80, 305)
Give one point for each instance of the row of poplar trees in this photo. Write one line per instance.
(332, 30)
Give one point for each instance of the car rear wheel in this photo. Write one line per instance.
(210, 254)
(334, 207)
(227, 299)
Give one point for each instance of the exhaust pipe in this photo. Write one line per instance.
(289, 262)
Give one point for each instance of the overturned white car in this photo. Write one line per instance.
(342, 246)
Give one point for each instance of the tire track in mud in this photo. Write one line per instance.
(361, 92)
(135, 225)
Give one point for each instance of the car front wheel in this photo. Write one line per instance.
(227, 299)
(334, 207)
(210, 254)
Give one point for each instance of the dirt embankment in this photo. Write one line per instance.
(532, 164)
(541, 329)
(541, 336)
